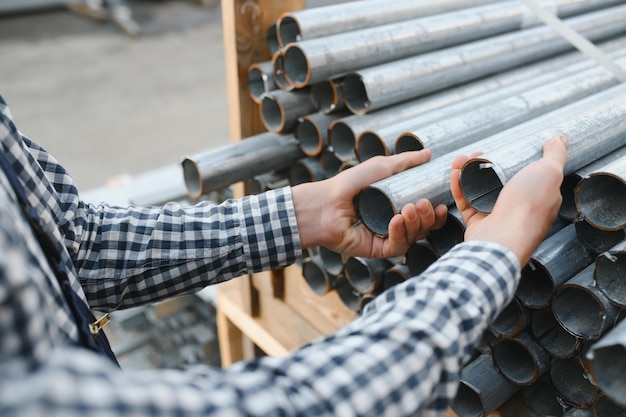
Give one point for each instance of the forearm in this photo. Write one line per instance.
(130, 256)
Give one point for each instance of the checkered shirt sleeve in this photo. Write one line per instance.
(401, 357)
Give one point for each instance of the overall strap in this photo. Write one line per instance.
(89, 328)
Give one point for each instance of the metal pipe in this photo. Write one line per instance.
(581, 308)
(606, 406)
(609, 273)
(324, 21)
(386, 84)
(343, 133)
(511, 321)
(482, 389)
(450, 234)
(280, 109)
(348, 296)
(279, 71)
(592, 133)
(316, 275)
(542, 400)
(395, 275)
(520, 359)
(330, 163)
(269, 181)
(571, 383)
(486, 342)
(420, 256)
(597, 240)
(310, 61)
(365, 275)
(601, 196)
(328, 96)
(446, 135)
(579, 412)
(333, 261)
(271, 38)
(306, 170)
(549, 333)
(556, 260)
(312, 132)
(607, 359)
(261, 80)
(240, 161)
(568, 208)
(380, 201)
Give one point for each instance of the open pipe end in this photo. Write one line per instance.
(608, 366)
(271, 38)
(515, 362)
(257, 83)
(272, 113)
(359, 275)
(369, 145)
(296, 66)
(596, 240)
(279, 72)
(571, 383)
(355, 94)
(419, 257)
(309, 137)
(192, 177)
(288, 30)
(330, 163)
(333, 261)
(343, 140)
(535, 287)
(510, 322)
(480, 184)
(568, 211)
(468, 402)
(315, 276)
(601, 200)
(449, 235)
(375, 210)
(407, 142)
(325, 96)
(580, 312)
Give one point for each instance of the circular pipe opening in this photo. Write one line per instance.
(300, 173)
(309, 137)
(419, 257)
(324, 95)
(272, 113)
(315, 276)
(332, 260)
(359, 275)
(448, 236)
(468, 402)
(514, 361)
(296, 66)
(570, 382)
(288, 30)
(407, 142)
(192, 177)
(535, 287)
(510, 322)
(355, 94)
(480, 184)
(601, 200)
(568, 211)
(551, 335)
(609, 366)
(330, 163)
(257, 83)
(375, 210)
(579, 312)
(341, 137)
(596, 240)
(369, 145)
(273, 43)
(393, 277)
(279, 73)
(348, 296)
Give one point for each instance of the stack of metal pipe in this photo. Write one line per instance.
(355, 80)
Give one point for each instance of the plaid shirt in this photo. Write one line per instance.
(401, 356)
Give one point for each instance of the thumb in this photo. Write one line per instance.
(555, 150)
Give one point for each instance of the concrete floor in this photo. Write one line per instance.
(108, 106)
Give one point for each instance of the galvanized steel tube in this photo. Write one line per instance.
(306, 170)
(607, 406)
(579, 412)
(316, 275)
(608, 363)
(512, 320)
(240, 161)
(482, 389)
(609, 273)
(312, 132)
(261, 80)
(557, 259)
(279, 72)
(386, 84)
(520, 359)
(271, 38)
(601, 197)
(420, 256)
(365, 275)
(396, 274)
(323, 21)
(348, 296)
(332, 260)
(571, 383)
(329, 162)
(328, 96)
(541, 398)
(314, 60)
(549, 333)
(280, 109)
(450, 234)
(597, 240)
(592, 133)
(581, 308)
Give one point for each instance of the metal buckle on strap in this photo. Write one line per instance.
(96, 326)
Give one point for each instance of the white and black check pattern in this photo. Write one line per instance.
(401, 356)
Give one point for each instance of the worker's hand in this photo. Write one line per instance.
(526, 207)
(326, 215)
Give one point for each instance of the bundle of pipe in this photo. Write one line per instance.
(503, 87)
